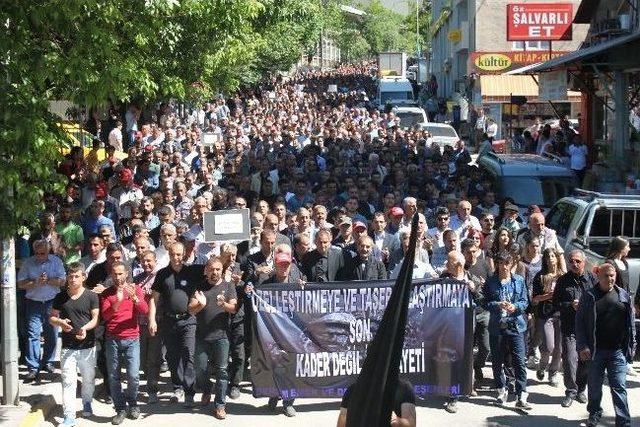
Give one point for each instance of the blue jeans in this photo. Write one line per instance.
(615, 363)
(504, 344)
(127, 350)
(37, 317)
(216, 355)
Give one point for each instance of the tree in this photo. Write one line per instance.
(97, 52)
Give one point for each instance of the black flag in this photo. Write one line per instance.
(371, 398)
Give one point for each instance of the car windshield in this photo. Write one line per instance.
(447, 131)
(390, 96)
(536, 190)
(408, 119)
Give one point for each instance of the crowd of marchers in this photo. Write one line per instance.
(119, 267)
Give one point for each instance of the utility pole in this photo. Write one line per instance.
(418, 39)
(10, 389)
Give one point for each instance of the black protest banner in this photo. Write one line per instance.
(311, 342)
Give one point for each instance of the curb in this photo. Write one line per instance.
(39, 412)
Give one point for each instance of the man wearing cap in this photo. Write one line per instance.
(345, 233)
(283, 273)
(324, 262)
(126, 192)
(362, 265)
(395, 218)
(510, 218)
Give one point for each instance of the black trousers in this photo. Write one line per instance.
(179, 337)
(481, 338)
(101, 357)
(150, 358)
(236, 347)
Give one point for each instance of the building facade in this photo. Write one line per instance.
(469, 41)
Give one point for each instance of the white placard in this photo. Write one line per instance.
(552, 86)
(209, 138)
(228, 224)
(332, 88)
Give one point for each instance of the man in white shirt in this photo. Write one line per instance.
(463, 221)
(115, 136)
(492, 130)
(578, 158)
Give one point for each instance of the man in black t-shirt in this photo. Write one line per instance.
(176, 284)
(76, 312)
(404, 406)
(212, 305)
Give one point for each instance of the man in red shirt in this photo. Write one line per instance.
(120, 306)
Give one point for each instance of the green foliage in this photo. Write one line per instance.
(379, 30)
(96, 52)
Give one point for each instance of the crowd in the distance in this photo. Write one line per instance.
(119, 264)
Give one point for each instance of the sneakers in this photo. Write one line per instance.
(119, 418)
(177, 396)
(593, 421)
(87, 410)
(234, 393)
(220, 413)
(68, 422)
(134, 413)
(49, 368)
(502, 397)
(153, 398)
(581, 397)
(273, 403)
(522, 402)
(289, 410)
(553, 379)
(567, 401)
(189, 402)
(540, 374)
(451, 406)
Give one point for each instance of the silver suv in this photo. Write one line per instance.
(588, 221)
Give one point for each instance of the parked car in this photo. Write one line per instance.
(527, 179)
(442, 134)
(589, 220)
(410, 116)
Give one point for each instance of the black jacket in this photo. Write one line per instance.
(570, 287)
(335, 262)
(352, 270)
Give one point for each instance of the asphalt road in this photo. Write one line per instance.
(476, 411)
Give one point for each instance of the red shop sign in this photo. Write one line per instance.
(539, 21)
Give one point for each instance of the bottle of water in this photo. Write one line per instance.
(503, 297)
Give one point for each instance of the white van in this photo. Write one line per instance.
(394, 90)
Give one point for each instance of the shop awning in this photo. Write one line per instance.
(504, 85)
(500, 87)
(578, 56)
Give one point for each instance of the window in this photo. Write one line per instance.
(530, 45)
(560, 217)
(615, 222)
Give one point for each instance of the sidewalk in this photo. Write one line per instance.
(37, 400)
